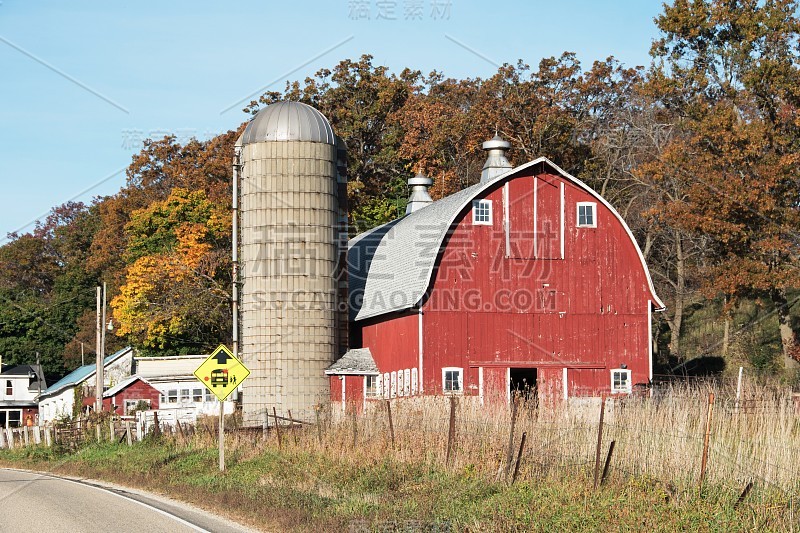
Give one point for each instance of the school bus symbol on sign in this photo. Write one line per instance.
(221, 373)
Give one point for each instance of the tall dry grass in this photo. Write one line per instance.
(659, 437)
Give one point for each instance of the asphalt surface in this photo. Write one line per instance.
(40, 503)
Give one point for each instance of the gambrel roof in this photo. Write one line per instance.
(390, 268)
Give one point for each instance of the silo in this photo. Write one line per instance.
(290, 230)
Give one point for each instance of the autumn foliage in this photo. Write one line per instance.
(699, 152)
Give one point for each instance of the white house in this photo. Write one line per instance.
(19, 386)
(59, 399)
(174, 378)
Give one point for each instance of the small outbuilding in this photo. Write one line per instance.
(130, 395)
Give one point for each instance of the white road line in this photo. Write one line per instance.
(111, 491)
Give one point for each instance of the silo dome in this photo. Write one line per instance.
(289, 121)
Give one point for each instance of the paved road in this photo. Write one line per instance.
(42, 503)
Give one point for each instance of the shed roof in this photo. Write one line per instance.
(122, 385)
(81, 374)
(357, 361)
(393, 264)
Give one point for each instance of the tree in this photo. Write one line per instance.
(176, 293)
(729, 70)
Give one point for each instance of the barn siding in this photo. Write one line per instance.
(501, 302)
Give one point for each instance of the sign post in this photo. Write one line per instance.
(221, 373)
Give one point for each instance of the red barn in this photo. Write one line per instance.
(126, 396)
(526, 281)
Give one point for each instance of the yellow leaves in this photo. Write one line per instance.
(174, 253)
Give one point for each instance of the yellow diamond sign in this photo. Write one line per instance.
(221, 373)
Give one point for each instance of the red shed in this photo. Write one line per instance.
(529, 280)
(126, 395)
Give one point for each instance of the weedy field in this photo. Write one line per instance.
(452, 465)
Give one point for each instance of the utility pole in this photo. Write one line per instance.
(38, 374)
(83, 363)
(98, 387)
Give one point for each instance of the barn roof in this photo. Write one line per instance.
(122, 385)
(357, 361)
(390, 267)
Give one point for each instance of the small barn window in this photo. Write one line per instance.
(586, 215)
(452, 380)
(482, 212)
(620, 381)
(413, 381)
(371, 386)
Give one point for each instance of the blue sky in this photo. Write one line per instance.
(81, 83)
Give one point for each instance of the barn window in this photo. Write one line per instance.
(482, 212)
(620, 381)
(452, 380)
(586, 215)
(371, 388)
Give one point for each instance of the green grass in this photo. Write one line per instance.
(298, 489)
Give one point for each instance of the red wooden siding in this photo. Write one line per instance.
(138, 390)
(498, 307)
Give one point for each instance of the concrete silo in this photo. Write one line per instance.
(292, 226)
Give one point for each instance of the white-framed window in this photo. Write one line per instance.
(587, 215)
(452, 380)
(197, 395)
(394, 385)
(482, 212)
(210, 396)
(14, 418)
(186, 395)
(406, 382)
(131, 405)
(386, 386)
(172, 396)
(9, 388)
(620, 381)
(413, 381)
(371, 386)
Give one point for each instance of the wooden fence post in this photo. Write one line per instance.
(743, 495)
(111, 429)
(355, 425)
(128, 435)
(519, 456)
(319, 427)
(48, 439)
(608, 461)
(277, 426)
(391, 423)
(599, 441)
(2, 439)
(706, 439)
(291, 427)
(451, 430)
(10, 437)
(510, 451)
